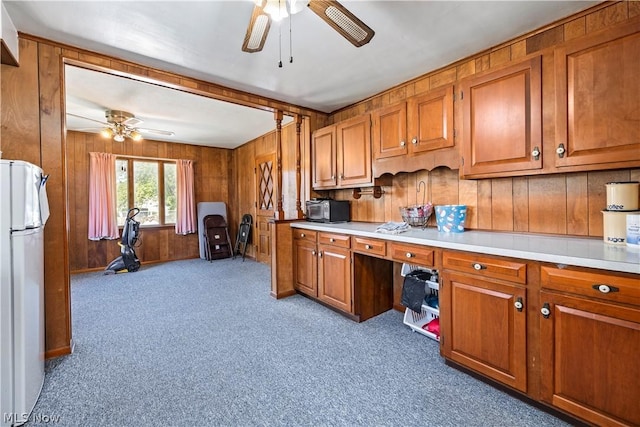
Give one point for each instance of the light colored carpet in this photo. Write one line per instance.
(201, 343)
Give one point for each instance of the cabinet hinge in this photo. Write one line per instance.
(454, 133)
(441, 339)
(461, 161)
(255, 171)
(461, 95)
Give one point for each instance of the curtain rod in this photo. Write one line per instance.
(162, 159)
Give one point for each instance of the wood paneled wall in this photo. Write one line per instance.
(32, 116)
(211, 182)
(567, 204)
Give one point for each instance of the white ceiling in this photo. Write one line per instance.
(202, 39)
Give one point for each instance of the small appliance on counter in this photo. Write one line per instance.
(328, 210)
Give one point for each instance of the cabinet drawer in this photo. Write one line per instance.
(485, 266)
(607, 286)
(334, 239)
(411, 254)
(307, 235)
(370, 246)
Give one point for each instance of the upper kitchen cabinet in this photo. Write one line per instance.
(502, 121)
(416, 134)
(598, 101)
(342, 155)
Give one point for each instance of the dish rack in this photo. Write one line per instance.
(417, 321)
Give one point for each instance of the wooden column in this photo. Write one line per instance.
(278, 212)
(298, 169)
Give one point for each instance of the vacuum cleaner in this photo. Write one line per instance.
(127, 261)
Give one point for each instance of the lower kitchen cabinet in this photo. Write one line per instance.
(322, 267)
(480, 327)
(482, 319)
(590, 345)
(334, 276)
(305, 265)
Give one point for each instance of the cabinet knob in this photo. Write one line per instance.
(341, 176)
(367, 246)
(332, 239)
(333, 177)
(414, 141)
(410, 255)
(313, 253)
(402, 143)
(320, 254)
(605, 289)
(545, 310)
(535, 153)
(477, 266)
(560, 150)
(518, 304)
(302, 234)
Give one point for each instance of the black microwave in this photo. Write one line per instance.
(329, 211)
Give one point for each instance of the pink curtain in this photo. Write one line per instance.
(103, 222)
(185, 220)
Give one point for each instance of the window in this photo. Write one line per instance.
(149, 185)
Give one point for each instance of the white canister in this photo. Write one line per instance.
(623, 196)
(615, 227)
(633, 230)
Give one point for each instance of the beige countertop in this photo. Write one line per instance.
(576, 251)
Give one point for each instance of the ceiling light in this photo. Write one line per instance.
(135, 135)
(276, 9)
(118, 138)
(106, 133)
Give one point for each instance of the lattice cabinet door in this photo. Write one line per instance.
(265, 205)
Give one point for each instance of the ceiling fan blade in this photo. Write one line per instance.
(87, 118)
(132, 121)
(343, 21)
(155, 131)
(256, 31)
(88, 129)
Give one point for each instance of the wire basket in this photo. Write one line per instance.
(416, 215)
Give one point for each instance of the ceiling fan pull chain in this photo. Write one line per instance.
(290, 35)
(279, 38)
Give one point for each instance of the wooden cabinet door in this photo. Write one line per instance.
(305, 267)
(482, 329)
(589, 359)
(502, 121)
(354, 151)
(323, 151)
(430, 120)
(334, 277)
(390, 131)
(598, 100)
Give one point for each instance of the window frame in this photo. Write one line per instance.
(161, 187)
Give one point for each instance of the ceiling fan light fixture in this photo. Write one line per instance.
(135, 135)
(118, 138)
(276, 9)
(296, 6)
(106, 133)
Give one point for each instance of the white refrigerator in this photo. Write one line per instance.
(23, 213)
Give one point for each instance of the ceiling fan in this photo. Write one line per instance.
(121, 125)
(330, 11)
